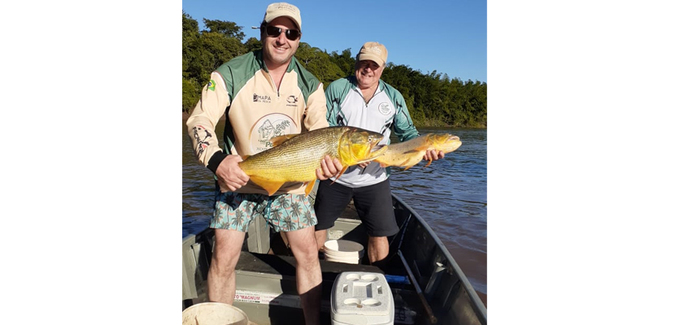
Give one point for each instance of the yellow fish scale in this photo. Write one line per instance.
(296, 159)
(409, 153)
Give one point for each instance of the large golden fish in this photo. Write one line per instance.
(295, 158)
(409, 153)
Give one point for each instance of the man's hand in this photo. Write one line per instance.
(329, 168)
(432, 155)
(230, 176)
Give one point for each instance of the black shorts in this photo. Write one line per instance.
(373, 204)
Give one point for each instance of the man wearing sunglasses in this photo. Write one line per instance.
(261, 95)
(365, 101)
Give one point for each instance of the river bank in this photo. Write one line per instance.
(418, 124)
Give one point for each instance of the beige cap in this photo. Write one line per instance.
(282, 9)
(373, 51)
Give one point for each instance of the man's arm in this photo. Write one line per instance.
(202, 129)
(202, 122)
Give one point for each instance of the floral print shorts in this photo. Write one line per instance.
(285, 212)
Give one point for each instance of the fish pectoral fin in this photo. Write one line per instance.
(409, 163)
(340, 173)
(269, 186)
(309, 187)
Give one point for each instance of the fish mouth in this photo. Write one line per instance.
(375, 151)
(379, 147)
(359, 146)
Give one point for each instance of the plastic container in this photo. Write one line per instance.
(362, 298)
(343, 251)
(214, 313)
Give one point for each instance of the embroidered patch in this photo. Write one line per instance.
(211, 85)
(384, 108)
(261, 98)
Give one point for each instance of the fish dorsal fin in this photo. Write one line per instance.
(281, 139)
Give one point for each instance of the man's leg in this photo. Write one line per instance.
(320, 236)
(230, 220)
(221, 282)
(375, 208)
(308, 272)
(331, 200)
(378, 248)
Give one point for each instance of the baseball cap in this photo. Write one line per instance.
(373, 51)
(281, 9)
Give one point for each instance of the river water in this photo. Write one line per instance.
(450, 194)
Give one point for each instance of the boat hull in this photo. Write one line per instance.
(427, 284)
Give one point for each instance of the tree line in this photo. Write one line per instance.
(433, 99)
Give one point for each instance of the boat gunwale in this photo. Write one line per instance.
(476, 301)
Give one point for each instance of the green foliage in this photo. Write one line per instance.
(191, 93)
(253, 44)
(205, 51)
(319, 63)
(220, 49)
(344, 61)
(226, 28)
(432, 99)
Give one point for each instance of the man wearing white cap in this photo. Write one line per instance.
(261, 95)
(365, 101)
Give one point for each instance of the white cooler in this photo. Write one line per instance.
(362, 298)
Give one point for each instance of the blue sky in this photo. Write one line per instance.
(449, 36)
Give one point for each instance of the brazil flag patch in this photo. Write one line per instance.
(211, 85)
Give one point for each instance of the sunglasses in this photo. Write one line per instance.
(291, 34)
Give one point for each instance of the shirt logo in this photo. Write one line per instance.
(291, 101)
(268, 127)
(211, 85)
(384, 108)
(261, 99)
